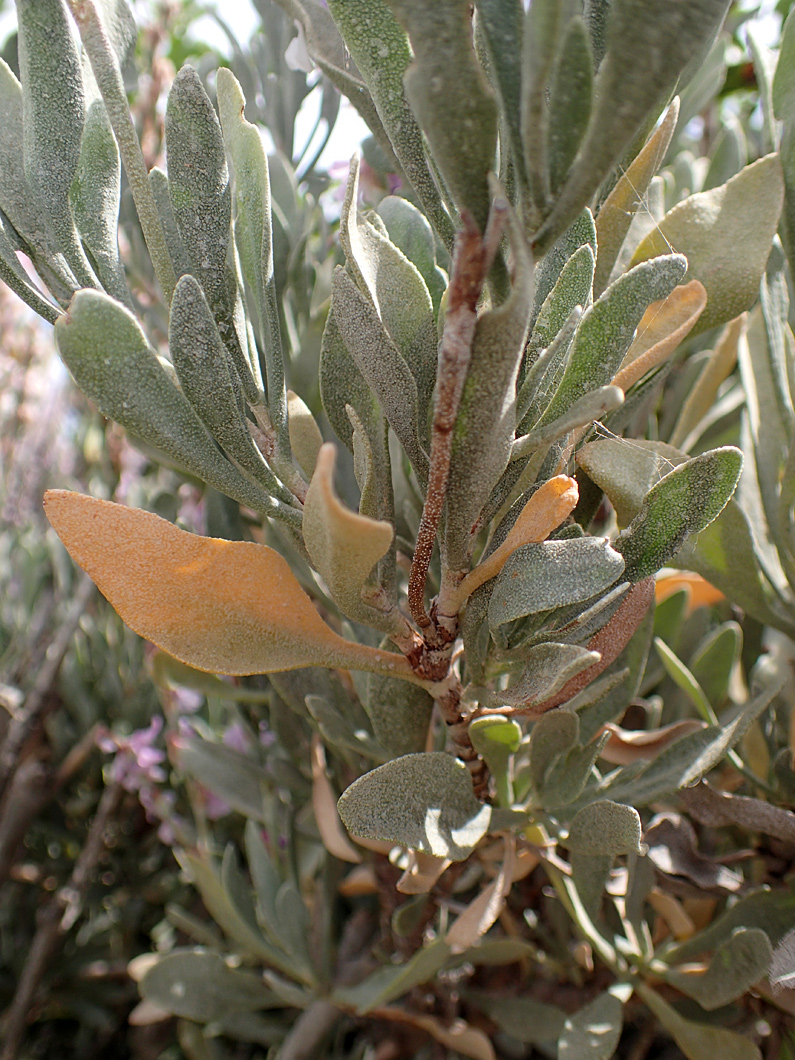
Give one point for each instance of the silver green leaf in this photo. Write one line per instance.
(608, 327)
(739, 962)
(548, 667)
(199, 985)
(648, 47)
(210, 383)
(594, 1031)
(380, 363)
(539, 577)
(451, 99)
(94, 199)
(400, 714)
(708, 228)
(380, 49)
(106, 351)
(410, 232)
(254, 239)
(605, 827)
(683, 502)
(421, 801)
(570, 95)
(53, 97)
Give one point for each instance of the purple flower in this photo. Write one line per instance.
(138, 761)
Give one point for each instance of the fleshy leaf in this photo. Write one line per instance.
(709, 226)
(305, 436)
(421, 801)
(570, 95)
(523, 1017)
(254, 237)
(737, 964)
(94, 199)
(199, 985)
(548, 667)
(608, 327)
(486, 421)
(54, 113)
(699, 1041)
(210, 383)
(392, 981)
(400, 714)
(231, 607)
(605, 827)
(201, 197)
(106, 351)
(343, 545)
(684, 502)
(644, 59)
(539, 577)
(410, 232)
(618, 209)
(381, 51)
(594, 1031)
(458, 115)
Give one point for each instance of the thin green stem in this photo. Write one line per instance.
(111, 86)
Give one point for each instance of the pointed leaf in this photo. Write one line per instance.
(393, 981)
(421, 801)
(222, 606)
(471, 925)
(633, 745)
(709, 226)
(410, 232)
(539, 577)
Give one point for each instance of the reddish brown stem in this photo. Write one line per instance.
(473, 258)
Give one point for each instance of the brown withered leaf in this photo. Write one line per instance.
(719, 808)
(480, 914)
(631, 745)
(681, 867)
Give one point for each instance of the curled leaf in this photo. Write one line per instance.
(230, 607)
(632, 745)
(343, 545)
(324, 803)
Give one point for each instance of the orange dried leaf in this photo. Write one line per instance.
(324, 803)
(458, 1036)
(231, 607)
(701, 593)
(664, 326)
(546, 509)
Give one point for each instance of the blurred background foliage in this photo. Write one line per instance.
(79, 691)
